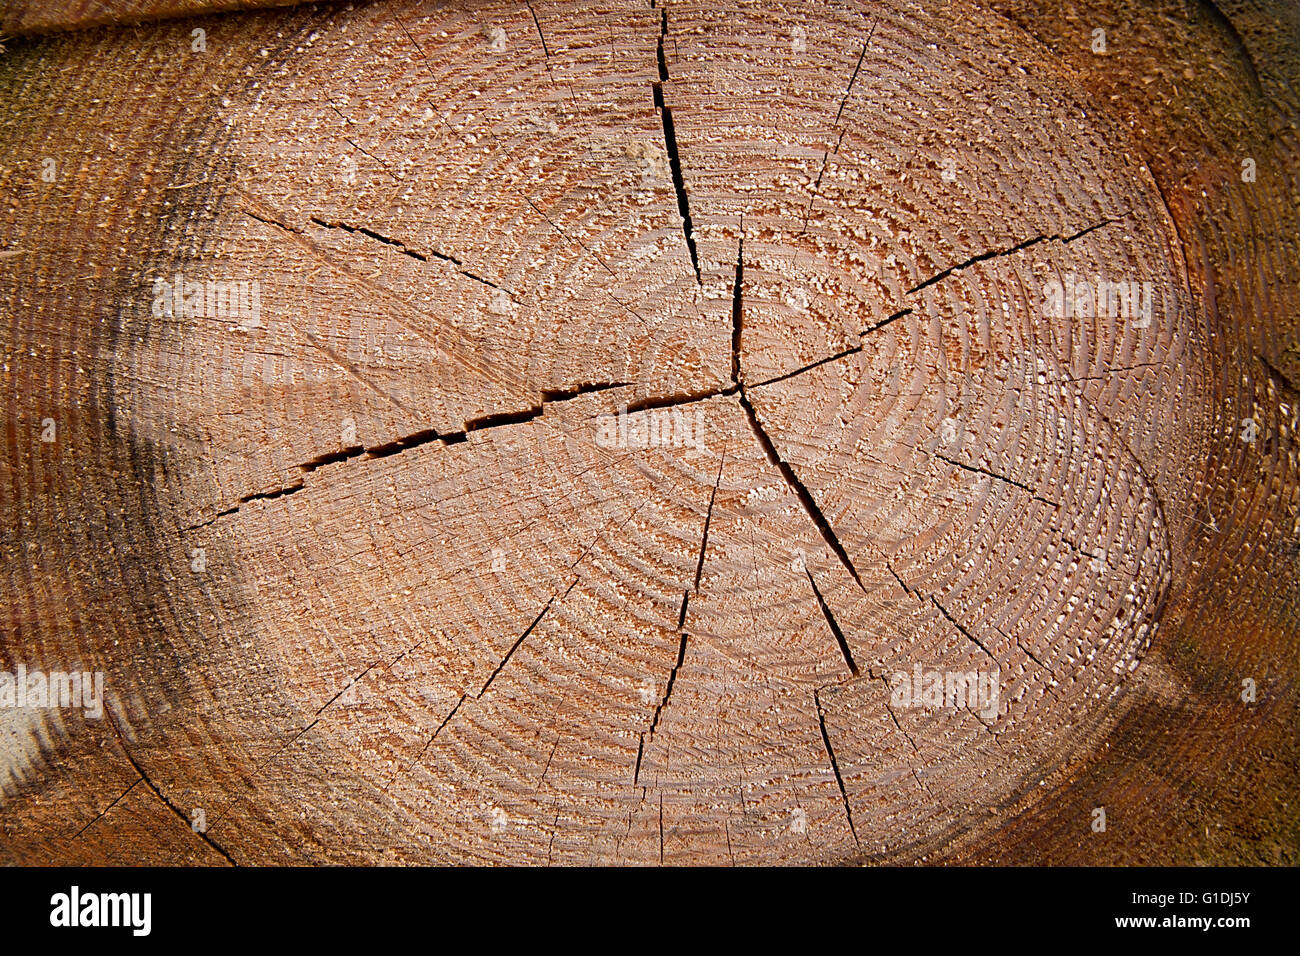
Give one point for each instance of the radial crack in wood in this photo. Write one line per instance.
(558, 432)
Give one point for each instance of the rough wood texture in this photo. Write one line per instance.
(37, 16)
(370, 582)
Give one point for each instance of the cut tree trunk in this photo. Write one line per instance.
(623, 401)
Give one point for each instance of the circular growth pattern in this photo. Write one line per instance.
(624, 433)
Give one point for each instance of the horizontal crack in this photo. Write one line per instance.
(1114, 370)
(837, 356)
(998, 253)
(682, 398)
(408, 251)
(884, 322)
(809, 367)
(415, 440)
(993, 474)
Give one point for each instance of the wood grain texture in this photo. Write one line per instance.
(440, 616)
(19, 17)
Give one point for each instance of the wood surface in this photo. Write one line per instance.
(370, 583)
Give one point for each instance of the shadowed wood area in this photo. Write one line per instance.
(37, 16)
(562, 432)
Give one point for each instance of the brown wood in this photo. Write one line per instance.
(439, 616)
(40, 16)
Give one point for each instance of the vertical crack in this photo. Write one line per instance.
(894, 717)
(738, 305)
(672, 679)
(661, 829)
(546, 51)
(848, 90)
(514, 647)
(769, 447)
(834, 625)
(681, 625)
(801, 491)
(670, 143)
(640, 752)
(668, 692)
(542, 779)
(550, 845)
(704, 541)
(826, 155)
(835, 766)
